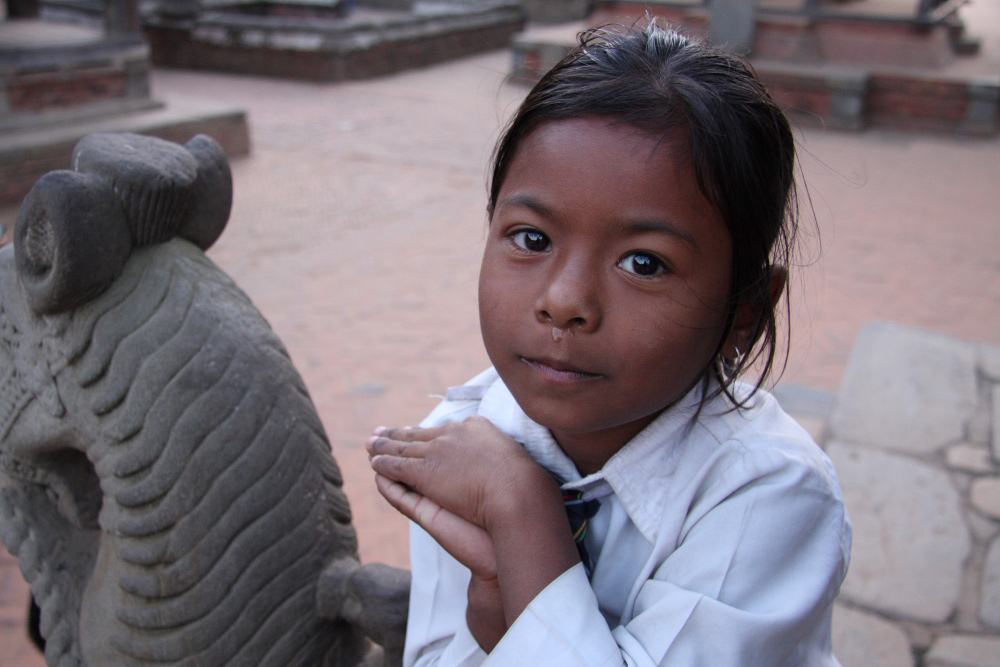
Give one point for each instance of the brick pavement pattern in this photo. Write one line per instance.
(358, 224)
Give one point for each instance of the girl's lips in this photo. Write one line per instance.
(559, 372)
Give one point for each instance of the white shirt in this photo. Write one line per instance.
(720, 541)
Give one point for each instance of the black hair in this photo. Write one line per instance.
(741, 144)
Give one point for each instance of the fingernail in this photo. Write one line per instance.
(378, 430)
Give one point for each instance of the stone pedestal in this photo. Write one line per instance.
(732, 24)
(59, 82)
(557, 11)
(331, 41)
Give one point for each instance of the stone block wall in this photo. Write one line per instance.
(47, 90)
(915, 437)
(856, 98)
(22, 165)
(102, 76)
(834, 97)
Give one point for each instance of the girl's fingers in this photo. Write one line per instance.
(398, 468)
(378, 444)
(382, 444)
(410, 504)
(407, 434)
(468, 543)
(402, 498)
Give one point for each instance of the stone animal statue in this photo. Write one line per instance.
(165, 481)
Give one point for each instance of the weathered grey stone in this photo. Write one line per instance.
(984, 102)
(866, 640)
(989, 601)
(989, 361)
(814, 426)
(982, 528)
(910, 542)
(906, 390)
(985, 496)
(970, 458)
(556, 11)
(165, 480)
(732, 24)
(960, 481)
(980, 424)
(964, 651)
(995, 423)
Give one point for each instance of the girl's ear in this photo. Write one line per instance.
(751, 317)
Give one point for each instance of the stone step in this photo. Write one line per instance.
(26, 155)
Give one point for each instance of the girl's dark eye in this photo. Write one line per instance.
(641, 264)
(532, 240)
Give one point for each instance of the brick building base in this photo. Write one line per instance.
(330, 49)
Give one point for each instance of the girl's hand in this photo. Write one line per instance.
(471, 468)
(473, 486)
(468, 543)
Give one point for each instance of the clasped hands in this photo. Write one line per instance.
(479, 494)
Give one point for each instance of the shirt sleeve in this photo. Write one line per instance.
(436, 631)
(750, 581)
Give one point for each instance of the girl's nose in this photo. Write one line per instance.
(570, 300)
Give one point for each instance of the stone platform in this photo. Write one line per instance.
(331, 46)
(26, 155)
(59, 83)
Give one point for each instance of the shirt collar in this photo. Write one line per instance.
(639, 474)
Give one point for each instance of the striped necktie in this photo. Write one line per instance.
(580, 512)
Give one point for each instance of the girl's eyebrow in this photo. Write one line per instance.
(528, 201)
(656, 226)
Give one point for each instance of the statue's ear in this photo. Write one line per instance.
(152, 178)
(166, 189)
(211, 195)
(71, 240)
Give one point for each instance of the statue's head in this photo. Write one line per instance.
(164, 479)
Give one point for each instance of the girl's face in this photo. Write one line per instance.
(605, 281)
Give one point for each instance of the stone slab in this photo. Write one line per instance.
(964, 651)
(983, 529)
(985, 496)
(861, 639)
(989, 361)
(910, 540)
(906, 390)
(989, 602)
(969, 458)
(995, 422)
(732, 25)
(801, 400)
(26, 155)
(981, 424)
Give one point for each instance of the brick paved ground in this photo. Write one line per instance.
(358, 224)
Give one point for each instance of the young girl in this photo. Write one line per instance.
(641, 213)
